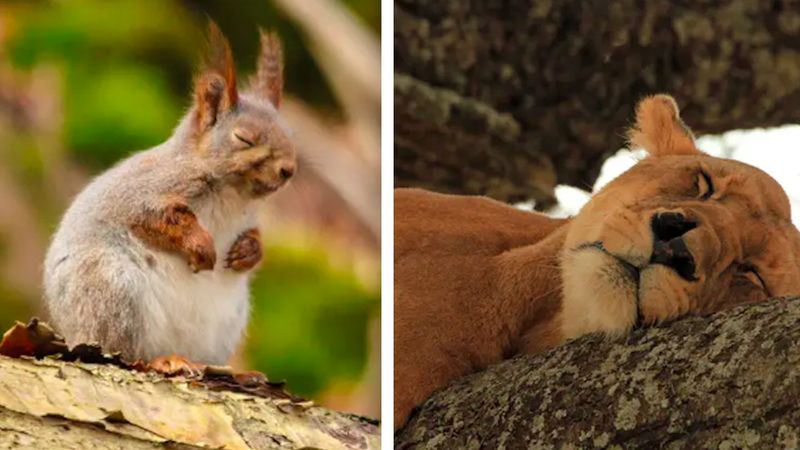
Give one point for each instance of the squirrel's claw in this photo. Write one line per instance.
(245, 253)
(202, 255)
(173, 365)
(202, 261)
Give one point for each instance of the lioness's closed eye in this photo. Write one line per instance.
(681, 232)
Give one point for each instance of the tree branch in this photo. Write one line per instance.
(569, 74)
(726, 381)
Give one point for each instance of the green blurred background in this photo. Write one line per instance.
(86, 82)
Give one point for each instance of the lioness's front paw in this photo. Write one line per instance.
(245, 253)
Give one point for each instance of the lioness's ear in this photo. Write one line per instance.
(659, 128)
(215, 86)
(268, 79)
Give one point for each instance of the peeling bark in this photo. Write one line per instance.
(55, 404)
(567, 75)
(731, 380)
(24, 431)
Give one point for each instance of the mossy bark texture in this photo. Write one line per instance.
(55, 404)
(505, 97)
(727, 381)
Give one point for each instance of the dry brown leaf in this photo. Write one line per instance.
(34, 339)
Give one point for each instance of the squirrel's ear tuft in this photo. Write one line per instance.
(215, 87)
(268, 79)
(659, 128)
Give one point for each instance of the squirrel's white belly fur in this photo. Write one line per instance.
(200, 315)
(100, 277)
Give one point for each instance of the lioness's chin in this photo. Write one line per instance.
(661, 295)
(603, 293)
(600, 294)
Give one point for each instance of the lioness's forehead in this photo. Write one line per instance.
(753, 184)
(733, 180)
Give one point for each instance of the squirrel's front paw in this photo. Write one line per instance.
(245, 253)
(201, 252)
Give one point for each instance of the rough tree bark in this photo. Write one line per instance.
(503, 97)
(48, 404)
(727, 381)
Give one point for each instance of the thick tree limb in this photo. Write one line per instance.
(727, 381)
(89, 405)
(568, 73)
(455, 143)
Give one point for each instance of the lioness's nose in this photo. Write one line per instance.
(669, 225)
(669, 248)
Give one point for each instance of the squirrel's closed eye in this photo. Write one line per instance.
(244, 140)
(705, 188)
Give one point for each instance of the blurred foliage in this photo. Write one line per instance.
(128, 63)
(13, 307)
(125, 72)
(100, 129)
(292, 320)
(126, 67)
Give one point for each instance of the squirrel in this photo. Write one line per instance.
(153, 257)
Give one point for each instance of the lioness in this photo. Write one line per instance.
(477, 281)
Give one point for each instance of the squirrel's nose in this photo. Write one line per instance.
(669, 247)
(286, 170)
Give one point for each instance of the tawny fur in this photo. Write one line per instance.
(477, 281)
(153, 257)
(659, 128)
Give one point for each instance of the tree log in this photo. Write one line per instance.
(563, 77)
(731, 380)
(55, 404)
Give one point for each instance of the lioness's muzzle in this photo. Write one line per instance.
(669, 247)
